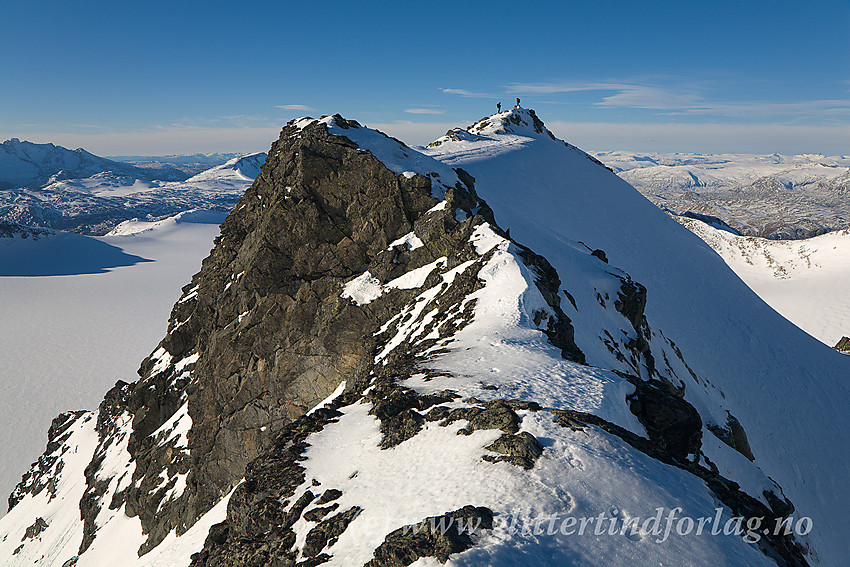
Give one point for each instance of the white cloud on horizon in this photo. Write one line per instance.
(425, 111)
(295, 107)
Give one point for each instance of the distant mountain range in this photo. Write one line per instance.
(774, 196)
(189, 164)
(25, 164)
(49, 186)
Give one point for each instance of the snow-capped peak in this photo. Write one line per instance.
(25, 163)
(518, 121)
(246, 167)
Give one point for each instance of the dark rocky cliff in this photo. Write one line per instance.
(261, 333)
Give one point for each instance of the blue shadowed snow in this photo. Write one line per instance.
(61, 254)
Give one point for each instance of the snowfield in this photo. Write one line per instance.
(804, 280)
(80, 313)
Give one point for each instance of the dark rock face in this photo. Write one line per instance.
(258, 530)
(843, 345)
(36, 528)
(522, 449)
(559, 328)
(400, 410)
(262, 510)
(733, 434)
(13, 229)
(327, 532)
(262, 333)
(673, 424)
(110, 432)
(273, 334)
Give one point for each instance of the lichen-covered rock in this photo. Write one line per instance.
(437, 536)
(521, 450)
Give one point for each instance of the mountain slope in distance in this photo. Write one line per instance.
(772, 196)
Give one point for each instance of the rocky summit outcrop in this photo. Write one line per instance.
(368, 370)
(261, 333)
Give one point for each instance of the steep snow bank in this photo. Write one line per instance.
(552, 196)
(804, 280)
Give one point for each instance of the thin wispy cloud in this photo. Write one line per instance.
(464, 92)
(424, 111)
(799, 108)
(233, 120)
(566, 87)
(295, 107)
(683, 101)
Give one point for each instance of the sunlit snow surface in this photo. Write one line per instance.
(581, 473)
(67, 339)
(807, 281)
(773, 376)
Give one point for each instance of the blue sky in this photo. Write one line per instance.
(158, 77)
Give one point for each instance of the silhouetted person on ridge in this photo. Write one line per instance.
(498, 107)
(517, 103)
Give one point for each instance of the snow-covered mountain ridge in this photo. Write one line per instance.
(25, 164)
(773, 196)
(496, 327)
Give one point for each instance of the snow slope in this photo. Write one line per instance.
(771, 374)
(241, 168)
(804, 280)
(67, 338)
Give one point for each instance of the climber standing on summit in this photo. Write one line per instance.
(517, 103)
(498, 107)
